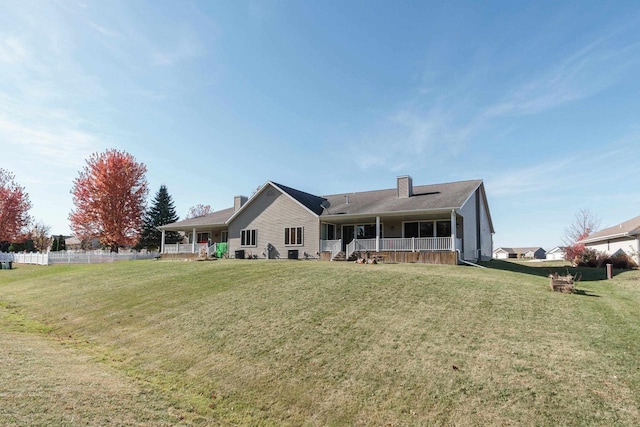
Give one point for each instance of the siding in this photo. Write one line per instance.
(269, 214)
(628, 245)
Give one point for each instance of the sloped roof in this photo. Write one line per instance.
(212, 219)
(451, 195)
(627, 228)
(555, 249)
(311, 202)
(518, 250)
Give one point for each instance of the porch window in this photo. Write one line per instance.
(293, 236)
(427, 229)
(224, 236)
(203, 237)
(248, 238)
(328, 231)
(443, 228)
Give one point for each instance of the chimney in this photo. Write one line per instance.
(238, 202)
(405, 186)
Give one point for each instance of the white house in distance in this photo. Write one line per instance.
(526, 253)
(556, 253)
(621, 238)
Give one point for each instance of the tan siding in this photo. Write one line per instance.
(269, 214)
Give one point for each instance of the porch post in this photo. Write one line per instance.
(453, 230)
(193, 241)
(377, 234)
(162, 243)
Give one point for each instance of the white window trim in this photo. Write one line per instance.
(287, 231)
(255, 233)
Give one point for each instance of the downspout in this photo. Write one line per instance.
(467, 262)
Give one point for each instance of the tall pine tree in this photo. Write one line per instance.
(161, 212)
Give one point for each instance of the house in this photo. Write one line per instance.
(556, 253)
(439, 223)
(526, 253)
(623, 238)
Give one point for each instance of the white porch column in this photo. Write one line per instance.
(377, 234)
(162, 242)
(453, 230)
(193, 241)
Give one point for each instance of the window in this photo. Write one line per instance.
(443, 229)
(203, 237)
(248, 238)
(427, 229)
(224, 236)
(328, 231)
(293, 236)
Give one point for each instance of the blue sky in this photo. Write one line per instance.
(541, 100)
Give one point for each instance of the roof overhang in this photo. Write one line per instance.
(325, 217)
(633, 235)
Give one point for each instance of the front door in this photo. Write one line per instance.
(348, 233)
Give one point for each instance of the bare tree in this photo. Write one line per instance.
(40, 236)
(584, 224)
(198, 210)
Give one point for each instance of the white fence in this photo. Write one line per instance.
(72, 257)
(415, 244)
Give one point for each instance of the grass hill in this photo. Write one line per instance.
(317, 343)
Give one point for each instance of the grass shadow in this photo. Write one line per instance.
(585, 293)
(541, 269)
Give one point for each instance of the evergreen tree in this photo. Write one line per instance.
(161, 212)
(58, 244)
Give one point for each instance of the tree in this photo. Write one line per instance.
(14, 208)
(58, 244)
(40, 236)
(161, 212)
(109, 195)
(198, 210)
(585, 223)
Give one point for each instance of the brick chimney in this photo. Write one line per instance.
(405, 186)
(238, 202)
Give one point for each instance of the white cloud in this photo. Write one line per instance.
(12, 50)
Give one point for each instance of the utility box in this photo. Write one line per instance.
(292, 254)
(240, 254)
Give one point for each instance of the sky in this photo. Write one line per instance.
(541, 100)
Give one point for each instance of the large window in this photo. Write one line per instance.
(427, 229)
(224, 236)
(248, 238)
(293, 236)
(203, 237)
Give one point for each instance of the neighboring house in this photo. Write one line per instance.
(73, 243)
(556, 253)
(427, 223)
(526, 253)
(623, 238)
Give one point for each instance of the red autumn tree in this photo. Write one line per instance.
(109, 195)
(14, 208)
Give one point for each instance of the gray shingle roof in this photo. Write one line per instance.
(311, 202)
(214, 218)
(518, 250)
(630, 227)
(451, 195)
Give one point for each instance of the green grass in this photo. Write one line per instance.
(319, 343)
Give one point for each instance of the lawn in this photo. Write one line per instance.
(317, 343)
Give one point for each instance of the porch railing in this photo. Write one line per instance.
(183, 248)
(333, 246)
(415, 244)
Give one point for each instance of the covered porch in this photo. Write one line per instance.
(208, 240)
(427, 237)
